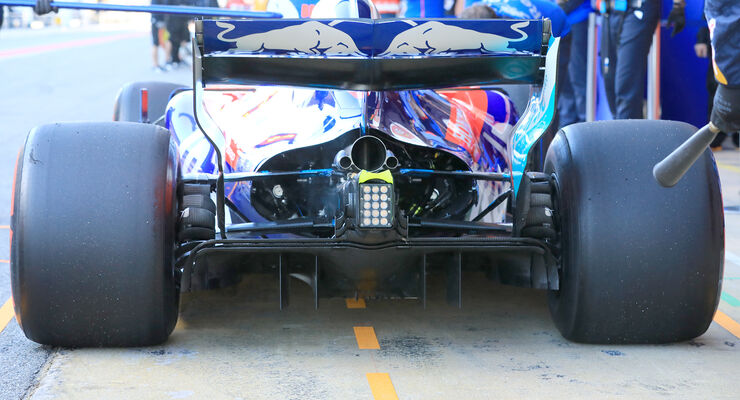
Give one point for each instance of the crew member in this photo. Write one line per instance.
(177, 27)
(723, 17)
(520, 9)
(159, 38)
(572, 98)
(703, 49)
(534, 9)
(628, 33)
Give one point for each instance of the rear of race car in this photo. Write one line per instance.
(365, 155)
(363, 209)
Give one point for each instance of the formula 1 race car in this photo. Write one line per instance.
(359, 155)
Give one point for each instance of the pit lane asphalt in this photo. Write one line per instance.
(55, 75)
(234, 343)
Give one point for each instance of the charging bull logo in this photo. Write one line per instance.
(313, 38)
(438, 38)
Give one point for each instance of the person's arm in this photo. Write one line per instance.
(701, 48)
(726, 109)
(724, 23)
(677, 17)
(702, 35)
(459, 7)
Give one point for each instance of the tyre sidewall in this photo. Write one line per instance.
(94, 221)
(640, 263)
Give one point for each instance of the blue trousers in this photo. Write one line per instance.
(572, 94)
(630, 36)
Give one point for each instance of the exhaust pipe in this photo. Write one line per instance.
(366, 153)
(391, 162)
(342, 160)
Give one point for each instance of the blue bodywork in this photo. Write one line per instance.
(255, 127)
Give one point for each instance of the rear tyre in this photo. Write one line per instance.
(640, 263)
(128, 101)
(93, 221)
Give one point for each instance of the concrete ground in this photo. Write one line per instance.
(235, 344)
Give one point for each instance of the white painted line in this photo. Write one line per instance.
(732, 257)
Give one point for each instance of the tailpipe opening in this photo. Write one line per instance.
(368, 153)
(391, 162)
(342, 160)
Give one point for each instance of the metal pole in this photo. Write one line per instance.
(160, 9)
(592, 64)
(653, 80)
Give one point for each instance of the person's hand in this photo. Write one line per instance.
(726, 109)
(677, 18)
(701, 50)
(44, 7)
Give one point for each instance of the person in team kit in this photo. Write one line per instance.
(628, 34)
(723, 17)
(160, 38)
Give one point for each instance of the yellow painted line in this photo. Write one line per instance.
(4, 226)
(180, 325)
(366, 338)
(5, 261)
(728, 323)
(729, 167)
(381, 386)
(352, 303)
(6, 314)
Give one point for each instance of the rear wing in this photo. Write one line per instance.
(359, 54)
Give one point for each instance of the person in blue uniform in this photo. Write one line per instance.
(723, 17)
(703, 49)
(522, 9)
(628, 34)
(536, 9)
(572, 100)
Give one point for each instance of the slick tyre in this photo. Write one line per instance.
(93, 231)
(640, 263)
(128, 101)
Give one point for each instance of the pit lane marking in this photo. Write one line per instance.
(40, 49)
(366, 339)
(728, 323)
(6, 314)
(732, 257)
(355, 303)
(728, 167)
(381, 386)
(729, 299)
(380, 382)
